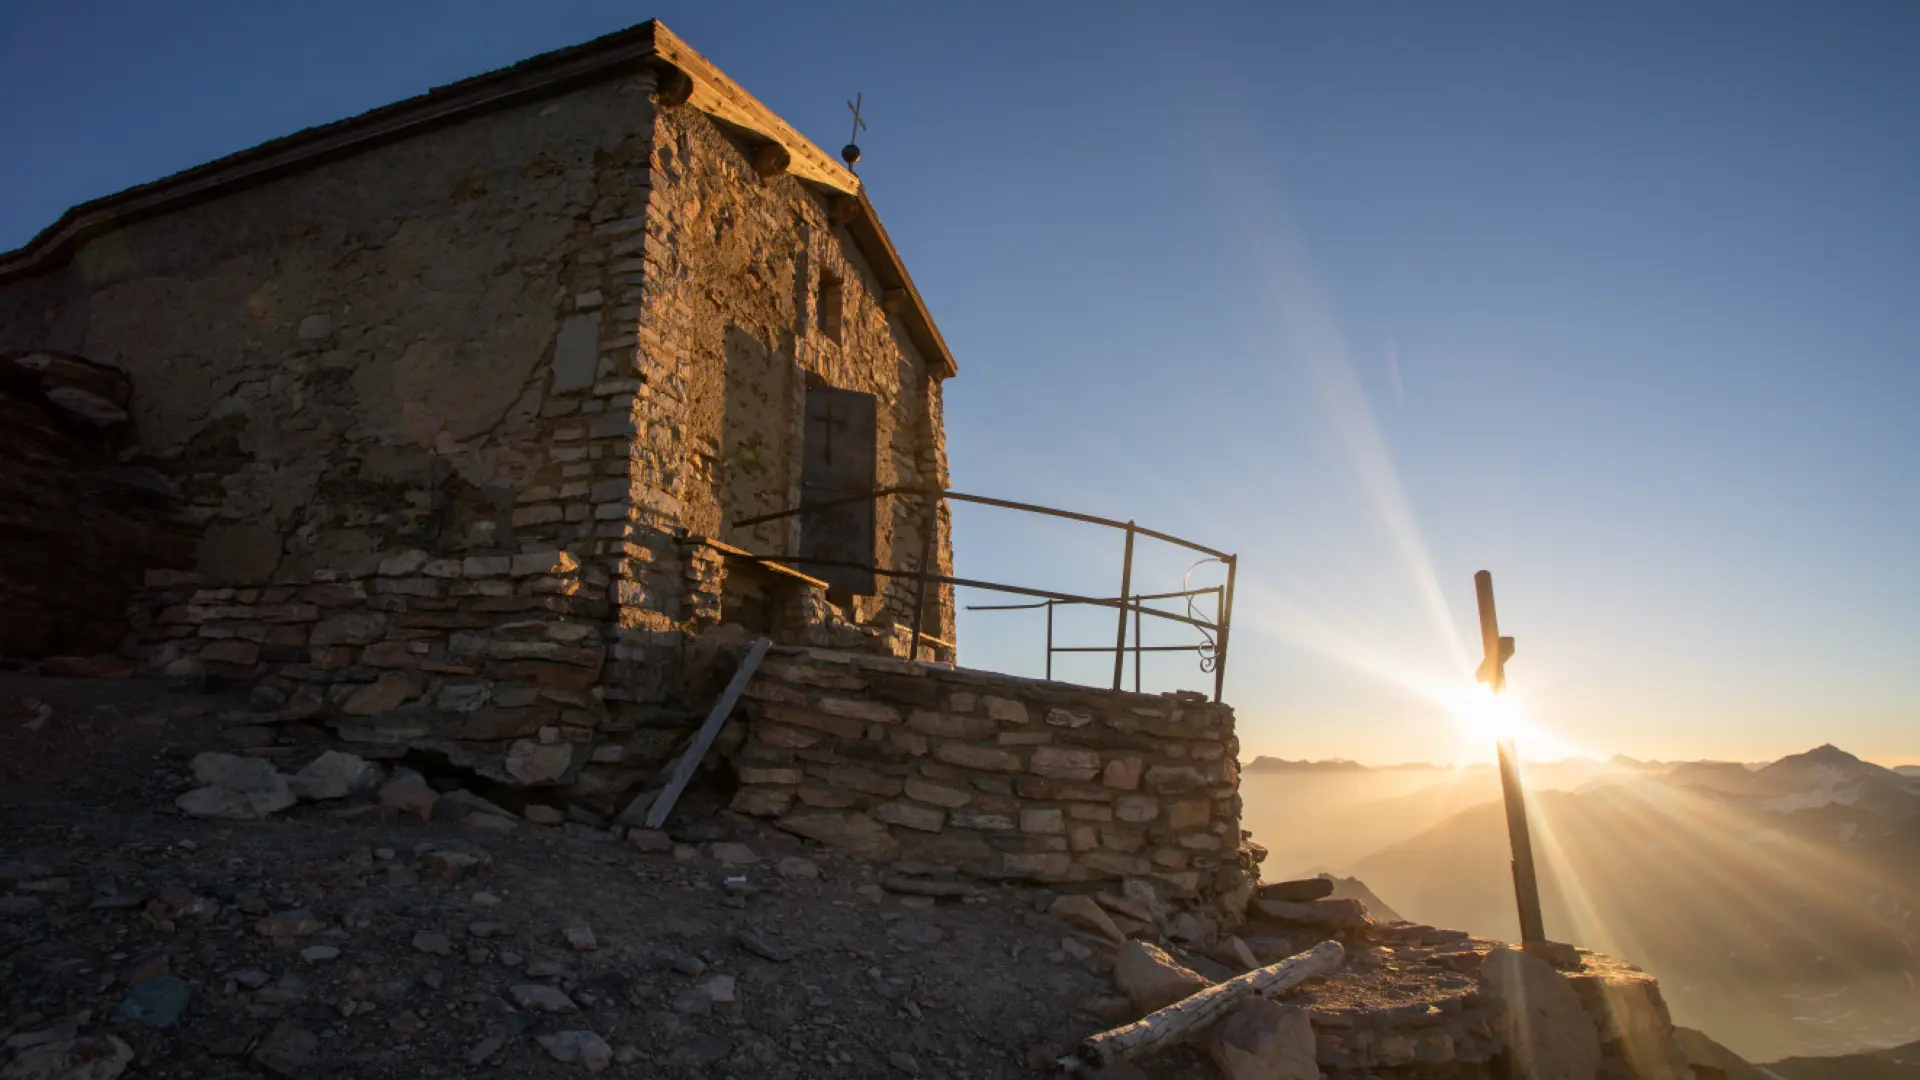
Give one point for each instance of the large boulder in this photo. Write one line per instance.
(1630, 1017)
(1548, 1035)
(1153, 980)
(1265, 1040)
(1334, 916)
(1300, 891)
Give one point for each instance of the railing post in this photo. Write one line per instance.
(929, 543)
(1049, 641)
(1136, 646)
(1226, 625)
(1126, 590)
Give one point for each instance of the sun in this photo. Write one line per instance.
(1487, 719)
(1487, 716)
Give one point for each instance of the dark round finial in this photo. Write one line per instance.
(850, 153)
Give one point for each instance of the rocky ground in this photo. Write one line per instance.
(188, 892)
(308, 945)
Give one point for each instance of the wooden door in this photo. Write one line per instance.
(839, 455)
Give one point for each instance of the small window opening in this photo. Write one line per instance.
(828, 308)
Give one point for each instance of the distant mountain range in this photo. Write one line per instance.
(1895, 1063)
(1334, 765)
(1618, 761)
(1777, 902)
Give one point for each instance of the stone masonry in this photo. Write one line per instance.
(1000, 776)
(459, 398)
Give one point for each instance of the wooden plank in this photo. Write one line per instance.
(703, 739)
(1160, 1030)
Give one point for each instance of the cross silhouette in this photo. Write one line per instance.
(828, 420)
(859, 125)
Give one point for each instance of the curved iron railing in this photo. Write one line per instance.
(1217, 629)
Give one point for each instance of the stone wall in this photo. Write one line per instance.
(738, 270)
(421, 345)
(78, 527)
(1001, 776)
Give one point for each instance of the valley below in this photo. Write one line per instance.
(1774, 901)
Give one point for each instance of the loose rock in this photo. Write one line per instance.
(408, 793)
(542, 998)
(1152, 979)
(651, 841)
(1085, 911)
(157, 1002)
(240, 788)
(795, 868)
(764, 945)
(485, 1049)
(93, 1057)
(1265, 1040)
(297, 923)
(582, 1048)
(334, 775)
(287, 1050)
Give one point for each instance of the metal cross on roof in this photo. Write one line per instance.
(850, 153)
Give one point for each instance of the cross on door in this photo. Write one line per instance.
(829, 418)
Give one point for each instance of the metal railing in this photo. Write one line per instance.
(1216, 631)
(1206, 647)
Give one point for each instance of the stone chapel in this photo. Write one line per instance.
(520, 348)
(444, 429)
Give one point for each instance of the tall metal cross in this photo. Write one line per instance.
(1493, 671)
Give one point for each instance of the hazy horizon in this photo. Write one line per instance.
(1532, 759)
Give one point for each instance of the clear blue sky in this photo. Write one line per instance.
(1621, 305)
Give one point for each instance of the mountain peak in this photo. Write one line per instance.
(1826, 754)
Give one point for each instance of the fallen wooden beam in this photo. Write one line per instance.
(1196, 1012)
(702, 739)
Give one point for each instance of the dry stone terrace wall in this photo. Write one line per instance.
(1001, 776)
(503, 666)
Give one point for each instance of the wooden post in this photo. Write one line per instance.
(1493, 671)
(1126, 590)
(662, 804)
